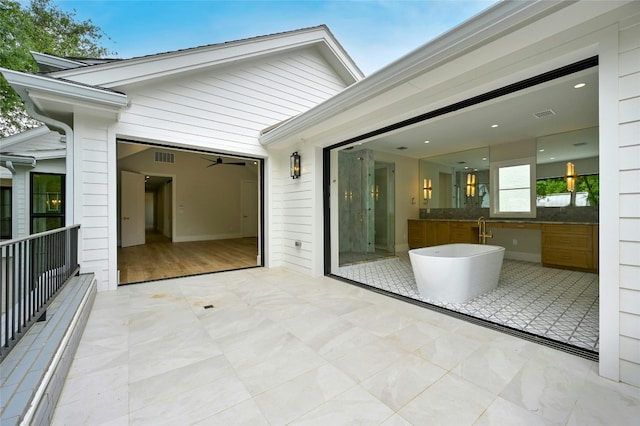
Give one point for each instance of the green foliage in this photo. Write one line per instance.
(39, 27)
(586, 183)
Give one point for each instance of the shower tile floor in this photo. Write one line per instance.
(558, 304)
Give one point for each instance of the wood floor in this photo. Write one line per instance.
(160, 258)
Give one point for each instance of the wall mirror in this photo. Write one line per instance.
(461, 179)
(458, 179)
(554, 152)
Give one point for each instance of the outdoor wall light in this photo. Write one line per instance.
(571, 177)
(471, 185)
(426, 189)
(294, 165)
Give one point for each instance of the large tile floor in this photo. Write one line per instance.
(277, 347)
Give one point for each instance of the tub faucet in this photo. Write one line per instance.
(482, 231)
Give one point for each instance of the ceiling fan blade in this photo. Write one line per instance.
(236, 164)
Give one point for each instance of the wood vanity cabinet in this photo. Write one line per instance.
(463, 232)
(438, 233)
(425, 233)
(417, 233)
(569, 246)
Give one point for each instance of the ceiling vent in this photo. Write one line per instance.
(545, 113)
(402, 148)
(164, 157)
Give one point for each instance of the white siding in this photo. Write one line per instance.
(92, 208)
(292, 212)
(225, 109)
(21, 201)
(629, 155)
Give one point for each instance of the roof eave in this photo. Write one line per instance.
(137, 70)
(33, 86)
(483, 28)
(49, 63)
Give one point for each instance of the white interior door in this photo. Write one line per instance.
(132, 210)
(249, 208)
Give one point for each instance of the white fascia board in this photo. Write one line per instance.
(56, 62)
(18, 160)
(63, 91)
(495, 22)
(137, 70)
(22, 137)
(50, 154)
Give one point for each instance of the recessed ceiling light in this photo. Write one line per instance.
(579, 85)
(493, 126)
(541, 150)
(427, 141)
(484, 158)
(552, 158)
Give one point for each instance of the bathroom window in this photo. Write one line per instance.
(513, 184)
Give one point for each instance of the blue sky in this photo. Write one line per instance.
(374, 33)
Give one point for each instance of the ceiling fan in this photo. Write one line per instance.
(218, 161)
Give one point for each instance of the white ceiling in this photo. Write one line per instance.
(470, 128)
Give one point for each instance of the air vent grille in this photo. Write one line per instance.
(164, 157)
(545, 113)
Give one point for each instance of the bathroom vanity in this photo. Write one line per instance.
(563, 245)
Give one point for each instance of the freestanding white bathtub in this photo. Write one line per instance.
(456, 273)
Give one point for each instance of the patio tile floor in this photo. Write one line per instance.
(278, 347)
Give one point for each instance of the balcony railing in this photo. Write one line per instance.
(34, 269)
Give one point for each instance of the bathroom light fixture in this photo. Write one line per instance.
(579, 85)
(294, 165)
(471, 185)
(571, 177)
(375, 192)
(426, 189)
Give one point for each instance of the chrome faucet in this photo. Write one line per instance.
(482, 231)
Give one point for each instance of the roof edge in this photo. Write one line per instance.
(25, 82)
(49, 63)
(201, 57)
(480, 29)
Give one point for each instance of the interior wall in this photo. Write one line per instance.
(149, 210)
(207, 199)
(407, 194)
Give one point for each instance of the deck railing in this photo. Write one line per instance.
(34, 268)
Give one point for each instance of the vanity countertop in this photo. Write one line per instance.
(506, 220)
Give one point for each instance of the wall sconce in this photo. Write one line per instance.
(294, 165)
(571, 177)
(471, 185)
(426, 189)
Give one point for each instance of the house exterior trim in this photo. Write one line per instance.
(145, 68)
(27, 84)
(55, 63)
(496, 22)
